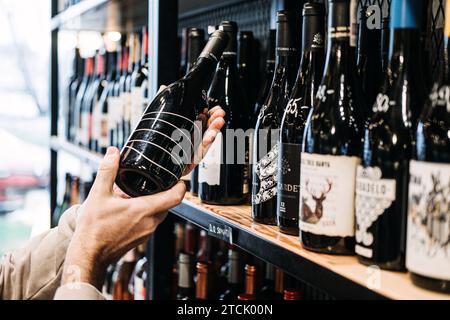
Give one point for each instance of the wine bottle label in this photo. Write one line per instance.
(373, 196)
(104, 131)
(139, 289)
(428, 235)
(209, 167)
(289, 180)
(84, 134)
(327, 200)
(266, 171)
(112, 112)
(136, 105)
(353, 23)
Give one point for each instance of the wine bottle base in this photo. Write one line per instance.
(329, 245)
(398, 265)
(135, 183)
(268, 221)
(288, 226)
(430, 283)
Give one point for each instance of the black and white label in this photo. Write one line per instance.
(373, 196)
(289, 180)
(266, 171)
(428, 236)
(221, 231)
(209, 167)
(327, 200)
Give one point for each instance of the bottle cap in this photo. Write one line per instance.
(313, 9)
(291, 294)
(215, 45)
(196, 33)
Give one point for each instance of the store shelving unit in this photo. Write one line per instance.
(338, 276)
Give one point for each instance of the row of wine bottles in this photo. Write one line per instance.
(107, 94)
(206, 268)
(75, 192)
(347, 169)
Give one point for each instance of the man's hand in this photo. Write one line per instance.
(109, 225)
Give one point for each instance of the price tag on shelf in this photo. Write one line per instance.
(221, 231)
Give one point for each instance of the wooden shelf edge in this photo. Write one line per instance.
(90, 157)
(342, 276)
(75, 11)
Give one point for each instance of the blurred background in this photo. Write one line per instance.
(24, 120)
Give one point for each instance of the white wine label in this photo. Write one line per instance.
(139, 289)
(136, 105)
(266, 170)
(373, 196)
(209, 167)
(327, 194)
(428, 236)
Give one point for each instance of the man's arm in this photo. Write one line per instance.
(34, 272)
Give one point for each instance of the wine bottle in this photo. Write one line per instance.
(295, 116)
(331, 145)
(126, 87)
(247, 65)
(202, 287)
(428, 232)
(95, 109)
(185, 279)
(65, 204)
(267, 76)
(221, 177)
(251, 282)
(140, 279)
(369, 56)
(234, 284)
(382, 179)
(88, 72)
(73, 85)
(265, 142)
(196, 42)
(104, 125)
(136, 93)
(179, 234)
(122, 275)
(150, 161)
(115, 103)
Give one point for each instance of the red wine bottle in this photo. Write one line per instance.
(160, 148)
(382, 178)
(196, 42)
(73, 86)
(221, 177)
(295, 116)
(267, 76)
(103, 124)
(331, 145)
(265, 142)
(79, 102)
(234, 286)
(428, 232)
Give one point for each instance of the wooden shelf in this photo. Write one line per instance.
(103, 15)
(92, 158)
(342, 276)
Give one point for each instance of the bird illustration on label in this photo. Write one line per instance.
(309, 216)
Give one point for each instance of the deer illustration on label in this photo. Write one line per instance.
(313, 217)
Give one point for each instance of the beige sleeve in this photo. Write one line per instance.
(34, 272)
(78, 291)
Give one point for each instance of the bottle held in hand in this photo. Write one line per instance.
(160, 148)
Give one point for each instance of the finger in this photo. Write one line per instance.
(159, 202)
(161, 88)
(107, 172)
(219, 113)
(214, 109)
(215, 125)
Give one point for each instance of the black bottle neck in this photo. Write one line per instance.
(194, 49)
(111, 63)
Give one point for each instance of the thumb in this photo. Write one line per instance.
(107, 172)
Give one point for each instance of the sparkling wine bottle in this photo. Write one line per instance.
(160, 148)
